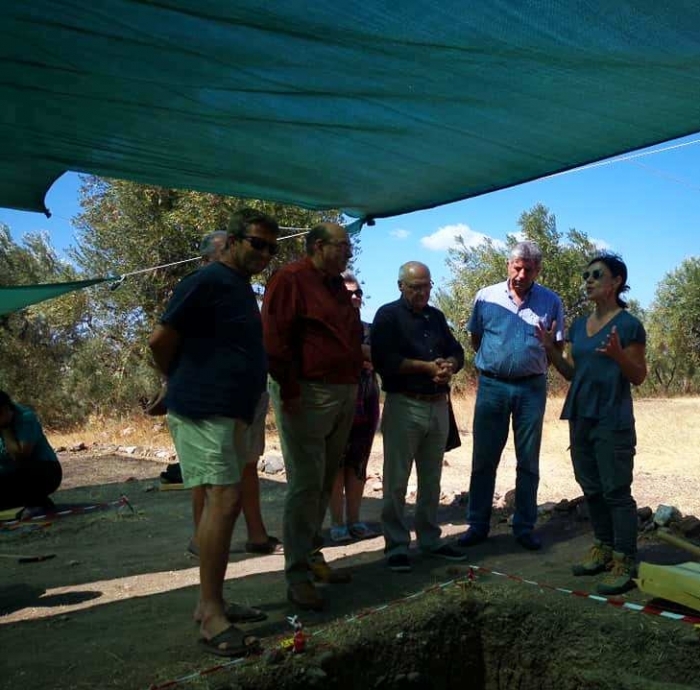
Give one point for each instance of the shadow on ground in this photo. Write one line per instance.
(114, 608)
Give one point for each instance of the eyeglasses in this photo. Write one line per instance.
(340, 243)
(258, 243)
(416, 287)
(356, 293)
(596, 274)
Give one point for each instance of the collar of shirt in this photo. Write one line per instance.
(332, 281)
(525, 298)
(425, 312)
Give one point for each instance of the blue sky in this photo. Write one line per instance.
(647, 209)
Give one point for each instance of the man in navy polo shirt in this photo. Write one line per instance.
(416, 355)
(209, 346)
(512, 366)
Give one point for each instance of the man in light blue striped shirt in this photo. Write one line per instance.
(512, 366)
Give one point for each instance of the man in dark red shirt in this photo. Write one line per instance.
(313, 338)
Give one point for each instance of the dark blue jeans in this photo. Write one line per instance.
(497, 402)
(603, 459)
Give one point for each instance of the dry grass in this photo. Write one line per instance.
(667, 469)
(667, 429)
(136, 430)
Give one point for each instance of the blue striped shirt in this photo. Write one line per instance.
(509, 347)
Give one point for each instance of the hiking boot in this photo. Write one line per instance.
(322, 572)
(598, 560)
(305, 596)
(620, 578)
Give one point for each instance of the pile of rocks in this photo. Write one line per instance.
(649, 520)
(687, 526)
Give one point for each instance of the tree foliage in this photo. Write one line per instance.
(86, 354)
(126, 227)
(673, 325)
(37, 344)
(90, 348)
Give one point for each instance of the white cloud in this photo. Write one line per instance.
(601, 244)
(444, 238)
(400, 233)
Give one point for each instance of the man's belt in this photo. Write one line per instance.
(508, 379)
(425, 397)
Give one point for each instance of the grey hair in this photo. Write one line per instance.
(405, 268)
(207, 247)
(526, 250)
(349, 277)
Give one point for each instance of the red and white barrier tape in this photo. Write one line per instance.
(468, 578)
(121, 501)
(613, 601)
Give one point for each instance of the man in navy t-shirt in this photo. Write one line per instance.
(209, 346)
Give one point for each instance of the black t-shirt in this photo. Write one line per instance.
(221, 368)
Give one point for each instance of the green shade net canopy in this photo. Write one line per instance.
(15, 297)
(373, 107)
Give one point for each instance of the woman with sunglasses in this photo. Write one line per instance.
(606, 354)
(352, 475)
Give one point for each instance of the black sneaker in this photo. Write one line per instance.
(529, 541)
(471, 538)
(449, 553)
(399, 563)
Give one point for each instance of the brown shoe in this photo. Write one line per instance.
(324, 573)
(305, 596)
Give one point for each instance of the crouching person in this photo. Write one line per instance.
(29, 469)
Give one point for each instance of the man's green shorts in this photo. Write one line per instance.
(216, 449)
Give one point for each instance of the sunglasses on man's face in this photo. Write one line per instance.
(258, 243)
(357, 292)
(596, 274)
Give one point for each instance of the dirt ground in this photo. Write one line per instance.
(113, 608)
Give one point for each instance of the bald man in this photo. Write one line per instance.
(416, 355)
(313, 337)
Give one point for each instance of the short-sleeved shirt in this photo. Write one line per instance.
(399, 333)
(27, 429)
(221, 367)
(509, 345)
(599, 390)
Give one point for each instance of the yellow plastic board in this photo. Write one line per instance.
(679, 583)
(9, 514)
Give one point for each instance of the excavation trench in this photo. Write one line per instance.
(490, 641)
